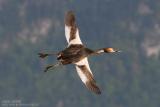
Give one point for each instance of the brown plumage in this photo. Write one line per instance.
(76, 53)
(91, 83)
(70, 22)
(73, 54)
(70, 19)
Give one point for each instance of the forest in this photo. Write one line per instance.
(127, 79)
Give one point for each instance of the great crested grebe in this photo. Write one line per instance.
(76, 53)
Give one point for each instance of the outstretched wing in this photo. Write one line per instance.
(71, 29)
(83, 69)
(86, 75)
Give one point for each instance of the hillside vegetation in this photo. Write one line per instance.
(127, 79)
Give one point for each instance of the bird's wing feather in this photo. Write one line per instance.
(71, 29)
(86, 75)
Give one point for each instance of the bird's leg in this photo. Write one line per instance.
(52, 66)
(44, 55)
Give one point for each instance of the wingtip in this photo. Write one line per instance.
(70, 18)
(98, 92)
(93, 87)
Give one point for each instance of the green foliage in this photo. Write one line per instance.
(127, 79)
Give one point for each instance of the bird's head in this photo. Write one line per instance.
(110, 50)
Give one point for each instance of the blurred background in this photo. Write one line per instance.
(127, 79)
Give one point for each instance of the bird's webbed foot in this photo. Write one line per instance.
(52, 66)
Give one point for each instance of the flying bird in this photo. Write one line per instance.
(76, 53)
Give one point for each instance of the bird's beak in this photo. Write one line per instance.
(118, 51)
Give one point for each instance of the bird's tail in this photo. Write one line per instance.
(44, 55)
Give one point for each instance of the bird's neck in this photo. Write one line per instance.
(97, 52)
